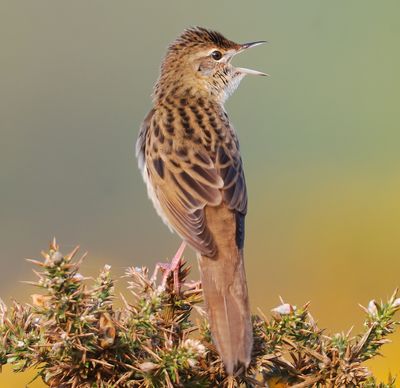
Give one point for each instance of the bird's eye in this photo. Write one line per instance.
(217, 55)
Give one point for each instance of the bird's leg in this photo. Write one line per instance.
(172, 267)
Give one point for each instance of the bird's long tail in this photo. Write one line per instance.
(225, 291)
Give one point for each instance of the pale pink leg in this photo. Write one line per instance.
(173, 267)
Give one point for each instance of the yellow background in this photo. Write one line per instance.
(319, 138)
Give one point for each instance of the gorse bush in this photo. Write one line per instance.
(74, 336)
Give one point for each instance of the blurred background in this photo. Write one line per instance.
(319, 138)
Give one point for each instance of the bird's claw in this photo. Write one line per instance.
(169, 268)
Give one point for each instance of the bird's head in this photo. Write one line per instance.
(199, 62)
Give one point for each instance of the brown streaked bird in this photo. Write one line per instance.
(188, 153)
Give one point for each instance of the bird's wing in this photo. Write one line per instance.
(140, 150)
(229, 165)
(183, 188)
(184, 183)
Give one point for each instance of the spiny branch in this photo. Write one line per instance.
(75, 337)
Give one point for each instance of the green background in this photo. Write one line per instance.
(319, 138)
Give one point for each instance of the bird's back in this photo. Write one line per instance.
(195, 178)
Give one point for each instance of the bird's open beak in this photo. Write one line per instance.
(246, 46)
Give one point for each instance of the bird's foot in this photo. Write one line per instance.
(169, 268)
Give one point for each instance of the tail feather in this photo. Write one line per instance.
(225, 291)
